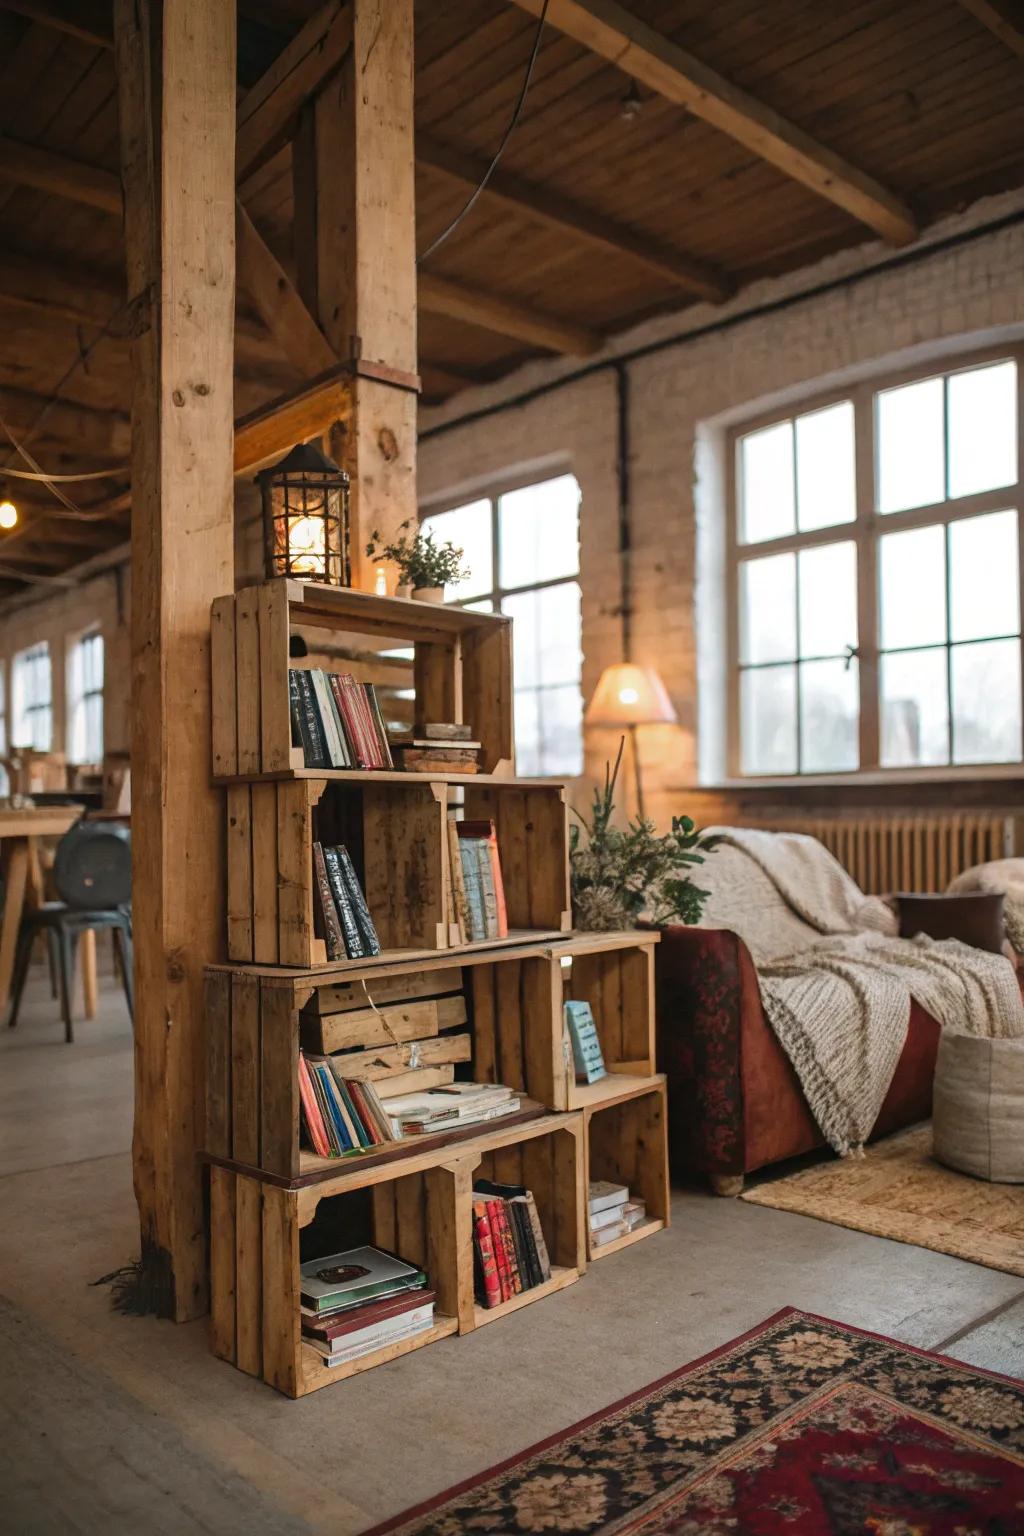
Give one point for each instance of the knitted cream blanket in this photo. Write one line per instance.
(836, 983)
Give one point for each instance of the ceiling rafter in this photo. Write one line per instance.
(1004, 18)
(609, 30)
(441, 296)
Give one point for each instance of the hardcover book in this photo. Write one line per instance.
(586, 1046)
(358, 1274)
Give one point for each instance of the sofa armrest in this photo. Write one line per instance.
(706, 986)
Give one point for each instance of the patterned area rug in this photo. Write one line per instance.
(898, 1190)
(802, 1427)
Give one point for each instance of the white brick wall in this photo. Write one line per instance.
(960, 296)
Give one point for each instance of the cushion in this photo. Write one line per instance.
(978, 1107)
(975, 918)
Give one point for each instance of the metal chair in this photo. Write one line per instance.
(92, 873)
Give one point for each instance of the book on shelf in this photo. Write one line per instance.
(426, 757)
(342, 915)
(336, 720)
(362, 1300)
(510, 1255)
(340, 1115)
(586, 1046)
(451, 1106)
(612, 1212)
(476, 881)
(602, 1195)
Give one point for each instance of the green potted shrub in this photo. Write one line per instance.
(622, 875)
(425, 567)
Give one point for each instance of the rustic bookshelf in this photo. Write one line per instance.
(423, 1011)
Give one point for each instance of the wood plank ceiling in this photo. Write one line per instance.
(612, 203)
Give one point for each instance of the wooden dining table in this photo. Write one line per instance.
(20, 834)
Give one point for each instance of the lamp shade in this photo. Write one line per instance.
(630, 695)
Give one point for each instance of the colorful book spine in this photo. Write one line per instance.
(328, 719)
(508, 1240)
(485, 1251)
(337, 1120)
(329, 914)
(351, 935)
(386, 760)
(362, 911)
(311, 1116)
(345, 1088)
(350, 700)
(500, 1250)
(481, 853)
(458, 881)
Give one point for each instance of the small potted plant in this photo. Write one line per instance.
(425, 567)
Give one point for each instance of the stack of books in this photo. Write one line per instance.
(342, 917)
(612, 1213)
(360, 1301)
(336, 721)
(449, 1108)
(476, 909)
(340, 1114)
(441, 747)
(509, 1252)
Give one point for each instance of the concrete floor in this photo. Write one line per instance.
(116, 1425)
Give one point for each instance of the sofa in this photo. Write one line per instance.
(734, 1102)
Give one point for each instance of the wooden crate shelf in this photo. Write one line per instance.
(462, 667)
(396, 828)
(422, 1212)
(626, 1142)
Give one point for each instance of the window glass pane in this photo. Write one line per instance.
(766, 484)
(911, 446)
(829, 716)
(768, 609)
(528, 745)
(913, 587)
(914, 709)
(560, 720)
(982, 429)
(984, 577)
(539, 530)
(546, 635)
(986, 702)
(768, 720)
(469, 529)
(828, 599)
(825, 475)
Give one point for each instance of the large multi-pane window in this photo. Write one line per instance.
(32, 716)
(876, 578)
(85, 699)
(522, 549)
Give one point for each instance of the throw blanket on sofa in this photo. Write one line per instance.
(1004, 877)
(836, 982)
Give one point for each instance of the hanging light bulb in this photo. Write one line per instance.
(8, 513)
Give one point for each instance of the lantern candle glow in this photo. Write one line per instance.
(306, 517)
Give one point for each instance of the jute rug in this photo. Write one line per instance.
(898, 1190)
(802, 1427)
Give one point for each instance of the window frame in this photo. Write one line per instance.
(865, 532)
(30, 654)
(492, 492)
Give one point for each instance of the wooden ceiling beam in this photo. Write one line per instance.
(566, 218)
(100, 433)
(269, 109)
(90, 23)
(441, 296)
(282, 311)
(31, 166)
(1004, 18)
(609, 30)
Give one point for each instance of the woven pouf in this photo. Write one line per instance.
(978, 1107)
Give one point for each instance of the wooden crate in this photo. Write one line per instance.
(626, 1143)
(617, 980)
(462, 668)
(396, 827)
(423, 1211)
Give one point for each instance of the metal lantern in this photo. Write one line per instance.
(305, 517)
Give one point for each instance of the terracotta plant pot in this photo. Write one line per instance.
(403, 589)
(428, 594)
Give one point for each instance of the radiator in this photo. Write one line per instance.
(904, 853)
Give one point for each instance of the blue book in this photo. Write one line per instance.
(341, 1130)
(586, 1047)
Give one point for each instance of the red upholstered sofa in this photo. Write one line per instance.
(734, 1102)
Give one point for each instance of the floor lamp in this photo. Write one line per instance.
(626, 697)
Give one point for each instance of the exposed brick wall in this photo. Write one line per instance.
(678, 397)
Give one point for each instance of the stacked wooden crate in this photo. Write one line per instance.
(423, 1011)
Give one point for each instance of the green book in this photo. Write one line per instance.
(586, 1047)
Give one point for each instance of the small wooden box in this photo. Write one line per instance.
(627, 1143)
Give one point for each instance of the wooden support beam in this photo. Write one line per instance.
(442, 297)
(580, 224)
(360, 211)
(269, 110)
(608, 29)
(283, 313)
(31, 166)
(87, 21)
(264, 435)
(1004, 18)
(176, 84)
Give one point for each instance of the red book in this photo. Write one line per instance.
(369, 726)
(311, 1111)
(493, 1208)
(508, 1239)
(354, 1318)
(369, 1124)
(342, 698)
(485, 1248)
